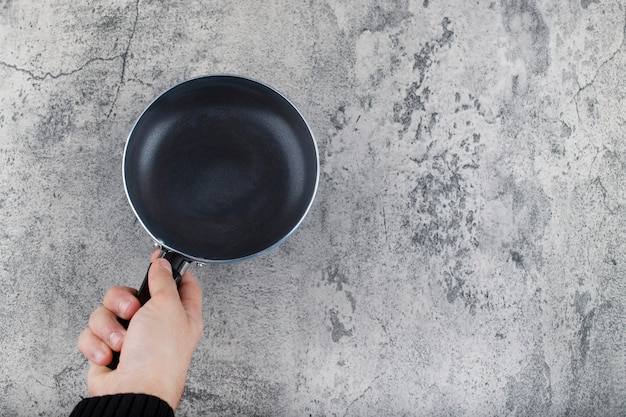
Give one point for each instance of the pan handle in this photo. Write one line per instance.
(179, 264)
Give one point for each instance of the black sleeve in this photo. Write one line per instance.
(123, 405)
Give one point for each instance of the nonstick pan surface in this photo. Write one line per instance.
(220, 168)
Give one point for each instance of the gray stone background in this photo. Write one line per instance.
(465, 254)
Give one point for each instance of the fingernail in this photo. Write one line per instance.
(123, 308)
(98, 356)
(163, 263)
(116, 340)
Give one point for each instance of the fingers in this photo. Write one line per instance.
(105, 333)
(94, 348)
(103, 323)
(122, 302)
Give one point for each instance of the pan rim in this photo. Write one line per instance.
(189, 257)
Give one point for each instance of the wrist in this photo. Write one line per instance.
(168, 388)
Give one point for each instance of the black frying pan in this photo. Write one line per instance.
(219, 169)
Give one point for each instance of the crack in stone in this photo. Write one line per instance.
(34, 76)
(598, 183)
(365, 391)
(593, 79)
(138, 81)
(124, 56)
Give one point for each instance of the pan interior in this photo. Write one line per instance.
(220, 168)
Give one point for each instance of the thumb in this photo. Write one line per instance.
(160, 279)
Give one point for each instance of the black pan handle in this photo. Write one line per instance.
(179, 264)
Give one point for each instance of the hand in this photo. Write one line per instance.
(156, 350)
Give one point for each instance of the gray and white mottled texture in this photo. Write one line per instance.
(466, 252)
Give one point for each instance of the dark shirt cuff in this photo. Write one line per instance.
(123, 405)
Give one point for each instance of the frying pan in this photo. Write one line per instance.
(219, 169)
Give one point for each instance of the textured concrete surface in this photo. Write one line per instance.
(465, 255)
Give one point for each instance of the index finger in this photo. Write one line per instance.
(122, 301)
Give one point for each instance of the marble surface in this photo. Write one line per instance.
(465, 254)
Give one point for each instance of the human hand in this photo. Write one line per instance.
(155, 350)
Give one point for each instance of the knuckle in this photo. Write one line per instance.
(102, 322)
(95, 317)
(83, 340)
